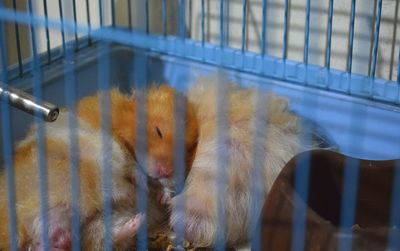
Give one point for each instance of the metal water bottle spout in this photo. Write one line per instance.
(26, 102)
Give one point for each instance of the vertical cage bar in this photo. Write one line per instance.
(203, 35)
(221, 23)
(106, 173)
(351, 36)
(179, 162)
(139, 72)
(141, 193)
(164, 16)
(376, 38)
(70, 99)
(307, 33)
(60, 9)
(223, 160)
(88, 21)
(356, 133)
(393, 49)
(73, 148)
(347, 212)
(285, 30)
(146, 10)
(130, 14)
(348, 203)
(75, 24)
(398, 78)
(18, 41)
(302, 175)
(257, 183)
(301, 180)
(9, 164)
(113, 13)
(190, 19)
(394, 236)
(47, 31)
(264, 28)
(129, 5)
(40, 134)
(227, 10)
(372, 38)
(101, 12)
(329, 40)
(7, 144)
(244, 14)
(182, 19)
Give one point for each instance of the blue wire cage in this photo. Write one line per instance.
(344, 76)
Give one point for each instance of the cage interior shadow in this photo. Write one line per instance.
(323, 203)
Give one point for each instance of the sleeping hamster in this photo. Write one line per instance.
(160, 127)
(279, 137)
(89, 161)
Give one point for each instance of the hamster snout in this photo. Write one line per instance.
(163, 169)
(160, 165)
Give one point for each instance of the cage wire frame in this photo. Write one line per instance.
(302, 73)
(181, 45)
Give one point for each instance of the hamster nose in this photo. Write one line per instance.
(164, 170)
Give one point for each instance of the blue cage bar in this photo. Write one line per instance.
(153, 47)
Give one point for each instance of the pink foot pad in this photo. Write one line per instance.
(129, 229)
(60, 240)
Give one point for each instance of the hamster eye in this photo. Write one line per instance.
(159, 132)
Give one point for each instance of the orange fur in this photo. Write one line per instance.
(27, 186)
(122, 116)
(160, 114)
(57, 140)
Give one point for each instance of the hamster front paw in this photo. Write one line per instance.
(197, 217)
(164, 197)
(60, 240)
(58, 227)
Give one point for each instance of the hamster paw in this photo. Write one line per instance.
(164, 197)
(198, 219)
(60, 240)
(129, 229)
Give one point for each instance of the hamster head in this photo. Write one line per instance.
(162, 102)
(160, 127)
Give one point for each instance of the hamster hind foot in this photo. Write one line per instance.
(58, 230)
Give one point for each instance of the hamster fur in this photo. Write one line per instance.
(56, 144)
(280, 135)
(160, 127)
